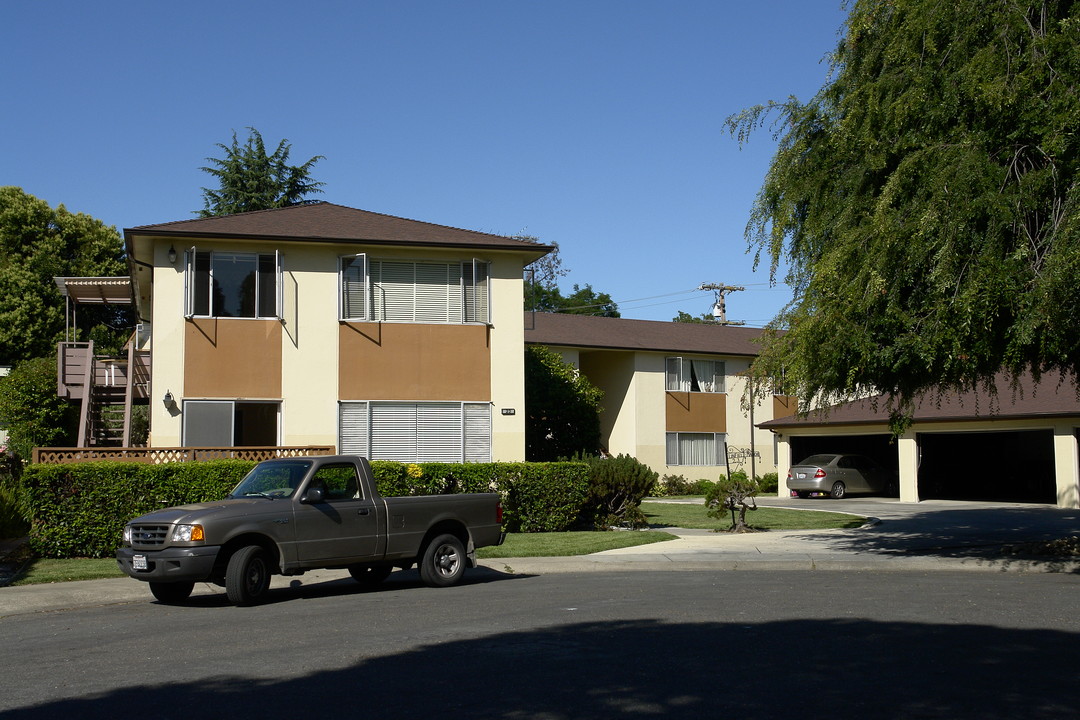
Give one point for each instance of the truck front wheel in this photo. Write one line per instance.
(443, 562)
(247, 578)
(171, 593)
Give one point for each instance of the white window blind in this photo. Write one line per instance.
(695, 448)
(405, 291)
(416, 432)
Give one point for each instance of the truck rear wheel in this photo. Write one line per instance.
(247, 577)
(171, 593)
(443, 562)
(370, 575)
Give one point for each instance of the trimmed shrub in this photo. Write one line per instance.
(675, 485)
(543, 497)
(768, 483)
(616, 488)
(79, 509)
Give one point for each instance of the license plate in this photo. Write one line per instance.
(798, 475)
(138, 562)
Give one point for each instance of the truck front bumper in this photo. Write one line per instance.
(169, 565)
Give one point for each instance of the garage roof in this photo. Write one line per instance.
(1055, 395)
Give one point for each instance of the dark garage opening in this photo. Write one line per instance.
(993, 466)
(876, 447)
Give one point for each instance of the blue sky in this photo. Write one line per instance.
(596, 124)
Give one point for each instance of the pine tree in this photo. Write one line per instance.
(249, 179)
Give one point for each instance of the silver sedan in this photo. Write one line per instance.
(837, 475)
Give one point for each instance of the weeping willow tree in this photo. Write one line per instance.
(923, 205)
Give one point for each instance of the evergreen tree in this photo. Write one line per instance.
(925, 202)
(249, 179)
(562, 408)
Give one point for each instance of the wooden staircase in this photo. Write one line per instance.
(106, 388)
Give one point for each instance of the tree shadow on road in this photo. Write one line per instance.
(808, 668)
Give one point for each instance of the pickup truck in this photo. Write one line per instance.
(291, 515)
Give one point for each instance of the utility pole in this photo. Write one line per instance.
(720, 308)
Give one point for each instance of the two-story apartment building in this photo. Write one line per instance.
(326, 325)
(673, 392)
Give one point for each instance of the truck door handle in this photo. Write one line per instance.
(363, 511)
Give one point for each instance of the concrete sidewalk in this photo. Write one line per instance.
(928, 536)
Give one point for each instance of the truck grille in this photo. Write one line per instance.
(149, 535)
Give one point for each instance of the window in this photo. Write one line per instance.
(416, 432)
(232, 284)
(339, 482)
(353, 284)
(230, 423)
(406, 291)
(685, 448)
(686, 375)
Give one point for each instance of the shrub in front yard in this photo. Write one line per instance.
(79, 509)
(617, 485)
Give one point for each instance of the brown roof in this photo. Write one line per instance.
(564, 329)
(327, 222)
(1053, 396)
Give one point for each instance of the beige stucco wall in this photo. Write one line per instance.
(507, 340)
(166, 345)
(309, 346)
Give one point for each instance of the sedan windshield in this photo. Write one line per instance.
(273, 479)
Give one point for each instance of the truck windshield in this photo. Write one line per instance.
(273, 479)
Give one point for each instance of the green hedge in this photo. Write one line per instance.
(79, 510)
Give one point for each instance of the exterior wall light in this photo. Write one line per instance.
(172, 255)
(168, 399)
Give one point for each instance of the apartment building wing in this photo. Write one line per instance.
(673, 392)
(327, 325)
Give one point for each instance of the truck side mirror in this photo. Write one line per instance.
(314, 495)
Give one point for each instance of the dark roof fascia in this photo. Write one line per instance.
(133, 232)
(793, 421)
(631, 348)
(335, 215)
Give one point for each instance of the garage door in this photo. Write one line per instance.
(992, 466)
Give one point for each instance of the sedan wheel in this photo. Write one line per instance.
(838, 490)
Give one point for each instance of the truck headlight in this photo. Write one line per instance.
(127, 534)
(188, 533)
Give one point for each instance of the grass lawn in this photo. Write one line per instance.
(51, 571)
(661, 515)
(562, 544)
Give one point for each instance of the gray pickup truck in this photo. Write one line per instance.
(291, 515)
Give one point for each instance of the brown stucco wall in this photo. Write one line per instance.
(784, 405)
(696, 412)
(232, 358)
(405, 361)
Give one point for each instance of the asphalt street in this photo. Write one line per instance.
(703, 643)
